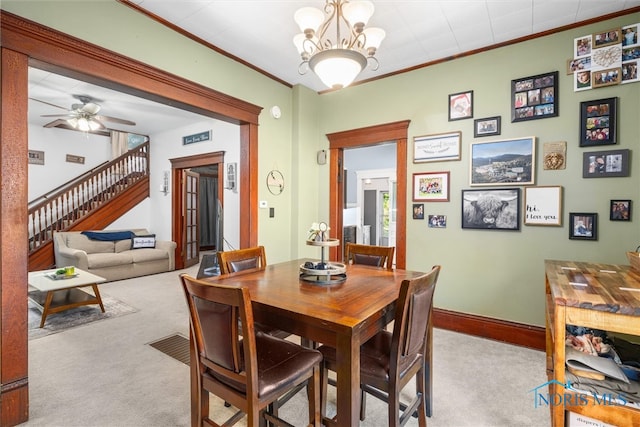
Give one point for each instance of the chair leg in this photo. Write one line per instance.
(422, 386)
(313, 394)
(363, 404)
(324, 384)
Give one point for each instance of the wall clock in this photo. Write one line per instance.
(275, 182)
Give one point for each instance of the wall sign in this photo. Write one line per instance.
(543, 205)
(72, 158)
(36, 157)
(196, 137)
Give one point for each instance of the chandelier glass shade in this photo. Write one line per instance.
(334, 43)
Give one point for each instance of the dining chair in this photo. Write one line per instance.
(378, 256)
(250, 371)
(389, 360)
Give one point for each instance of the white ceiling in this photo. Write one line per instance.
(260, 32)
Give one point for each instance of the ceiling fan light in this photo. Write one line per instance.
(83, 124)
(358, 13)
(94, 125)
(73, 122)
(337, 68)
(308, 19)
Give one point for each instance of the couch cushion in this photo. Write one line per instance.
(122, 245)
(145, 255)
(79, 241)
(101, 260)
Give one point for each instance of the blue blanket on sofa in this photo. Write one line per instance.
(108, 235)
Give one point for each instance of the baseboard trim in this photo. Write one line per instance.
(486, 327)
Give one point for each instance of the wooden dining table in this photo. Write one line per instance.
(343, 315)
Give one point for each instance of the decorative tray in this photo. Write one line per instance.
(328, 242)
(55, 276)
(328, 273)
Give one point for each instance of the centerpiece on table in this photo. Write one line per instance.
(323, 272)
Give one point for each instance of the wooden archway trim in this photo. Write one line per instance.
(372, 135)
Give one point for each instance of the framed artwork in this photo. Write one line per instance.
(630, 71)
(598, 122)
(503, 162)
(583, 226)
(582, 46)
(543, 205)
(437, 221)
(461, 105)
(606, 77)
(534, 97)
(582, 80)
(604, 164)
(487, 126)
(620, 210)
(496, 209)
(431, 187)
(630, 35)
(578, 64)
(418, 211)
(437, 148)
(607, 38)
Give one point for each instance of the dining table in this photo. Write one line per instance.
(343, 315)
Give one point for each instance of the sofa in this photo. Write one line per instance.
(114, 254)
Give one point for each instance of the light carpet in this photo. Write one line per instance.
(106, 374)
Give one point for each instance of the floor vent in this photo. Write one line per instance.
(175, 346)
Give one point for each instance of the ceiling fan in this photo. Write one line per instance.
(84, 115)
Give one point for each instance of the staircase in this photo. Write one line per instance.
(90, 202)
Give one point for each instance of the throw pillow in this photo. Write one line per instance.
(141, 242)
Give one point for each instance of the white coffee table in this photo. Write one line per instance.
(56, 295)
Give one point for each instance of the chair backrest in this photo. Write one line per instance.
(214, 311)
(412, 326)
(378, 256)
(242, 259)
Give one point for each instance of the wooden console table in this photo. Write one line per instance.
(598, 296)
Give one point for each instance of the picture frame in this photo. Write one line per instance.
(503, 162)
(582, 46)
(606, 77)
(437, 221)
(461, 105)
(543, 205)
(598, 122)
(437, 147)
(582, 80)
(607, 38)
(431, 187)
(476, 215)
(583, 226)
(418, 211)
(604, 164)
(35, 157)
(620, 210)
(534, 97)
(487, 126)
(578, 64)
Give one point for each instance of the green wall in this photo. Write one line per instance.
(490, 273)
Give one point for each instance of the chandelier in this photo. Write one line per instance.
(334, 43)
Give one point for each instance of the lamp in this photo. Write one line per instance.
(85, 123)
(337, 62)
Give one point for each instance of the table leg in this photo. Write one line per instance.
(45, 308)
(348, 381)
(96, 292)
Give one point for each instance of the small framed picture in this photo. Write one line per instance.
(491, 209)
(582, 46)
(487, 126)
(437, 221)
(578, 64)
(583, 226)
(431, 187)
(543, 205)
(582, 80)
(607, 38)
(620, 210)
(598, 122)
(461, 105)
(437, 148)
(608, 77)
(418, 211)
(604, 164)
(534, 97)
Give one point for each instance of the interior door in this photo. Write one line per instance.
(190, 213)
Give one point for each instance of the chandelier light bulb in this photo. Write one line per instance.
(83, 124)
(358, 13)
(309, 19)
(374, 37)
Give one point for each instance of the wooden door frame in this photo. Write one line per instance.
(24, 43)
(358, 138)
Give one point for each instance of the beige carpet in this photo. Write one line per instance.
(107, 374)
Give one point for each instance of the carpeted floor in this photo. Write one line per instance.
(108, 374)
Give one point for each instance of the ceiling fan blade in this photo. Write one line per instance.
(115, 120)
(48, 103)
(59, 115)
(88, 108)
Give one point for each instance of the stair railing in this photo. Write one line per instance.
(60, 210)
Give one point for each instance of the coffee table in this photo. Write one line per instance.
(53, 295)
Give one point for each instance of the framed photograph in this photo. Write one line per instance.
(608, 77)
(461, 105)
(607, 38)
(583, 226)
(497, 209)
(630, 35)
(582, 80)
(503, 162)
(598, 122)
(582, 46)
(487, 126)
(604, 164)
(437, 148)
(418, 211)
(543, 205)
(534, 97)
(620, 210)
(630, 71)
(578, 64)
(437, 221)
(431, 187)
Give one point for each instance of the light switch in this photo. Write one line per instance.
(272, 212)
